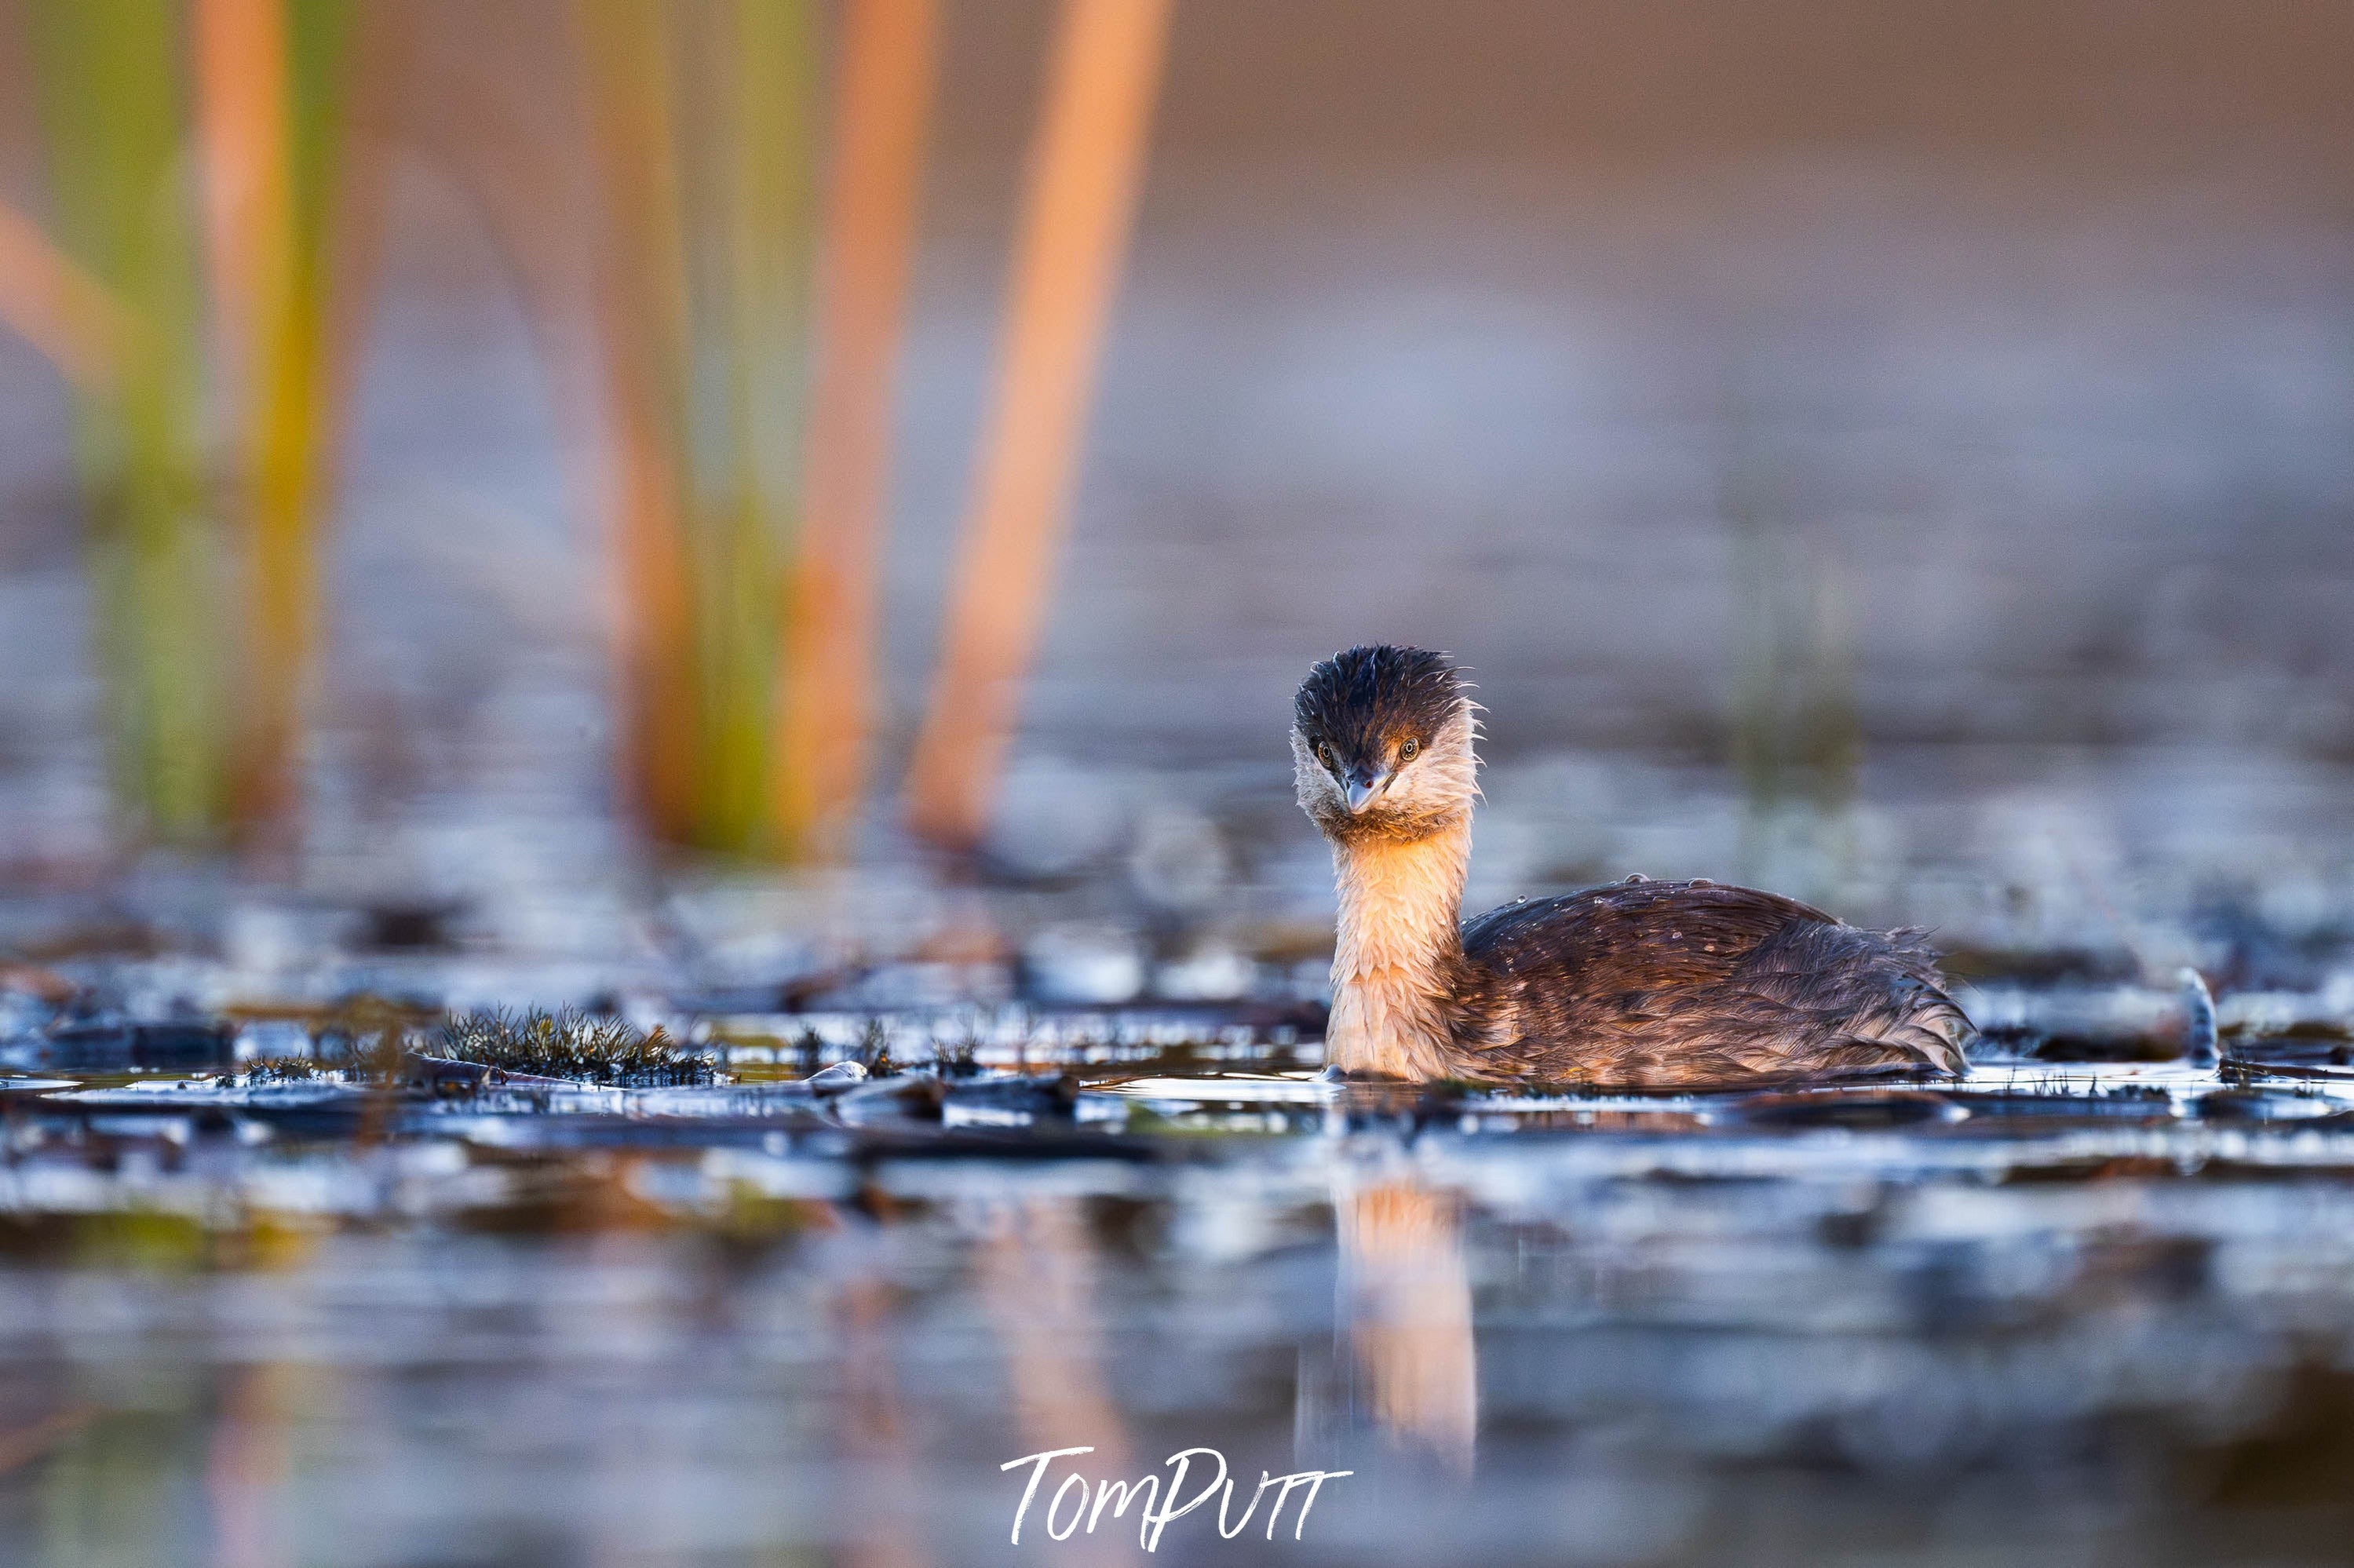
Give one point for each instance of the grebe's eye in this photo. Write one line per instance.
(1409, 751)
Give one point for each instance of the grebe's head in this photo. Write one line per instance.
(1382, 745)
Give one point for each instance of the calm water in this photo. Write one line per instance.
(2067, 1310)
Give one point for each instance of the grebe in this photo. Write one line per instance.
(1638, 984)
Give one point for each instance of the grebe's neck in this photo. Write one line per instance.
(1400, 946)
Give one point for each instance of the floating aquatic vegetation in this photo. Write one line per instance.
(583, 1047)
(268, 1070)
(375, 1062)
(961, 1060)
(874, 1050)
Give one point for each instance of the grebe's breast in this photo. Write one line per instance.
(1670, 984)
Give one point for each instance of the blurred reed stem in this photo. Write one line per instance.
(866, 245)
(203, 744)
(1085, 167)
(272, 119)
(642, 312)
(111, 105)
(59, 309)
(702, 111)
(1797, 741)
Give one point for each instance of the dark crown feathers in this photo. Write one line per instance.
(1358, 698)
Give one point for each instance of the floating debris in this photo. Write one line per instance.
(835, 1079)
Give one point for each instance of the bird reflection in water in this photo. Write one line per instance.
(1405, 1317)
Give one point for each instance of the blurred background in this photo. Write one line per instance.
(794, 524)
(507, 462)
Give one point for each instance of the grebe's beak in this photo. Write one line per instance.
(1360, 784)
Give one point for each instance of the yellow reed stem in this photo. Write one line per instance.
(866, 246)
(1085, 167)
(748, 188)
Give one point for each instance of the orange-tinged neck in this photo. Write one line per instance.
(1399, 948)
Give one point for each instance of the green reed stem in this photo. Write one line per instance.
(706, 108)
(111, 102)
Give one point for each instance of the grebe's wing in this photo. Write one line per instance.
(1691, 983)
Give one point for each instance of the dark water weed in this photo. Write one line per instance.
(582, 1047)
(875, 1051)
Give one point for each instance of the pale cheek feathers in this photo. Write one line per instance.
(1319, 795)
(1430, 787)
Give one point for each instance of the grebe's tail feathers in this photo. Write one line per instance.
(1908, 1016)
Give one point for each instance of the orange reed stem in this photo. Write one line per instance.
(240, 66)
(625, 54)
(69, 316)
(1085, 168)
(867, 250)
